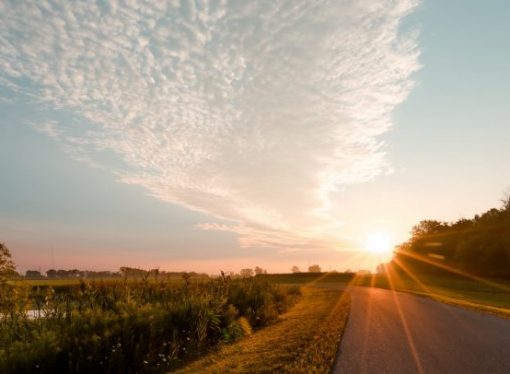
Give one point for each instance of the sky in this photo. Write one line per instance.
(219, 135)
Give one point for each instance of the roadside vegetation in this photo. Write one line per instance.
(305, 340)
(490, 296)
(476, 247)
(466, 263)
(130, 326)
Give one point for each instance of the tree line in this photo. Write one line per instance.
(478, 246)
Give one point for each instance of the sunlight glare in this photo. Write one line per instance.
(378, 242)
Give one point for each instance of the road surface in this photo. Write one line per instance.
(393, 332)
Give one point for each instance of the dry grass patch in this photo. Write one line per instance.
(305, 340)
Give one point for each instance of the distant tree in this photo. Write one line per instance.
(246, 273)
(155, 273)
(259, 270)
(505, 201)
(295, 269)
(33, 274)
(127, 271)
(52, 273)
(314, 268)
(7, 268)
(381, 269)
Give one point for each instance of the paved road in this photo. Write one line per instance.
(429, 338)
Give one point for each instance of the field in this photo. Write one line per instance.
(309, 278)
(75, 281)
(130, 326)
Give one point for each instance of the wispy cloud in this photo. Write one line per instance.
(250, 111)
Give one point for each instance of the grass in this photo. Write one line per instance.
(58, 282)
(488, 296)
(305, 340)
(129, 326)
(309, 278)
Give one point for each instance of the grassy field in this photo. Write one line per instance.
(75, 281)
(309, 278)
(289, 279)
(129, 326)
(488, 295)
(57, 282)
(491, 295)
(305, 340)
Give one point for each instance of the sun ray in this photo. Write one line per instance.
(435, 295)
(403, 319)
(452, 269)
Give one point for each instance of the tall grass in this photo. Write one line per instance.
(135, 326)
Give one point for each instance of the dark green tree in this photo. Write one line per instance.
(7, 268)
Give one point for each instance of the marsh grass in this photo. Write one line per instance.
(305, 340)
(129, 326)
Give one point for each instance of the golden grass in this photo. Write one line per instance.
(305, 340)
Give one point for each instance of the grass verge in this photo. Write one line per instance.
(492, 297)
(306, 339)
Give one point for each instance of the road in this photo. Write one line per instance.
(393, 332)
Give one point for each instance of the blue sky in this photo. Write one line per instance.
(237, 134)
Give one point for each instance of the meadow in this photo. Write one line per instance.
(130, 325)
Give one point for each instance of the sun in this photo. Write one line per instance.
(378, 242)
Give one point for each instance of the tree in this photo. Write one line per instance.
(428, 227)
(259, 270)
(246, 273)
(52, 273)
(380, 269)
(295, 269)
(479, 246)
(7, 268)
(314, 268)
(33, 274)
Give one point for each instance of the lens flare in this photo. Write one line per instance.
(378, 242)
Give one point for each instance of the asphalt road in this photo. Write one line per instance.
(393, 332)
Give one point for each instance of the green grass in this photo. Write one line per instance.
(129, 326)
(305, 340)
(491, 296)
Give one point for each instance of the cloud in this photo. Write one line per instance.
(253, 112)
